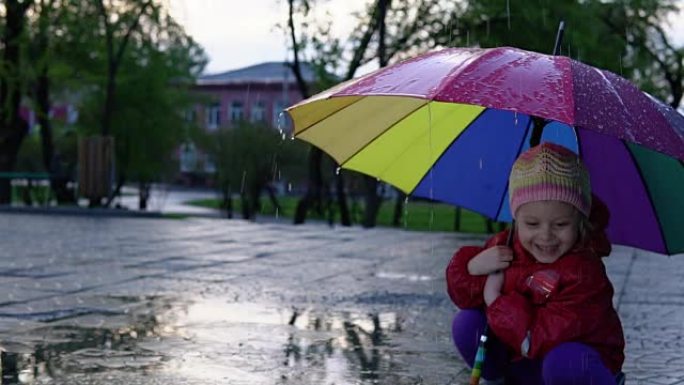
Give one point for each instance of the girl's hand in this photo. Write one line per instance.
(492, 289)
(490, 260)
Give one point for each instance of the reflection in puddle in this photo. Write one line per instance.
(213, 341)
(53, 349)
(316, 347)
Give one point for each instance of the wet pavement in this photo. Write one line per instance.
(208, 301)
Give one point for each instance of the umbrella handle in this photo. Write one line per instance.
(479, 358)
(509, 240)
(481, 349)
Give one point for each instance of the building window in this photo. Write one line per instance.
(258, 111)
(190, 115)
(236, 111)
(209, 165)
(214, 116)
(72, 114)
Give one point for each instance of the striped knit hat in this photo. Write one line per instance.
(549, 172)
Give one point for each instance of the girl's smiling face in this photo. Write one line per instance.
(547, 229)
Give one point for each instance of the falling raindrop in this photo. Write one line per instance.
(515, 118)
(281, 125)
(430, 226)
(508, 13)
(480, 163)
(337, 171)
(451, 31)
(406, 204)
(242, 183)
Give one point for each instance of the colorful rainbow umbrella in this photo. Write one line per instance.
(448, 125)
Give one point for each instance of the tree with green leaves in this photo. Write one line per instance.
(47, 69)
(600, 33)
(249, 158)
(13, 128)
(405, 28)
(136, 72)
(625, 37)
(657, 63)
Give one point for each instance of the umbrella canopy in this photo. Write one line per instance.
(448, 126)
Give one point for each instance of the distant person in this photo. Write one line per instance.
(547, 299)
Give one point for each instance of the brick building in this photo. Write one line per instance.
(257, 93)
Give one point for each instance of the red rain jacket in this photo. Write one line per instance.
(569, 300)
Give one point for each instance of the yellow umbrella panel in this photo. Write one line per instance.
(398, 144)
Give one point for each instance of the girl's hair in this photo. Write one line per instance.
(585, 229)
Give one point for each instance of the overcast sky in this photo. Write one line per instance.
(239, 33)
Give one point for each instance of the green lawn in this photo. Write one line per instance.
(418, 215)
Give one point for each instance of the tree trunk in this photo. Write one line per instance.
(398, 208)
(372, 202)
(246, 206)
(273, 198)
(371, 184)
(457, 219)
(314, 189)
(51, 160)
(345, 218)
(26, 193)
(114, 59)
(117, 191)
(10, 141)
(489, 224)
(13, 128)
(143, 195)
(227, 201)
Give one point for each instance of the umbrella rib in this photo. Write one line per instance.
(577, 141)
(520, 146)
(648, 194)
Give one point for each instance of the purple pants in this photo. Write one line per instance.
(569, 363)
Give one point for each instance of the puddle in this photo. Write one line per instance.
(252, 343)
(213, 341)
(61, 343)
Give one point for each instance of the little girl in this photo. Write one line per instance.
(547, 298)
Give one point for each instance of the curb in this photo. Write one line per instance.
(81, 211)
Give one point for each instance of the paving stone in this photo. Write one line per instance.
(208, 301)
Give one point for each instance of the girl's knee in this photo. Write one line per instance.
(469, 319)
(575, 363)
(466, 328)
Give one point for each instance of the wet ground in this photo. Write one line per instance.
(209, 301)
